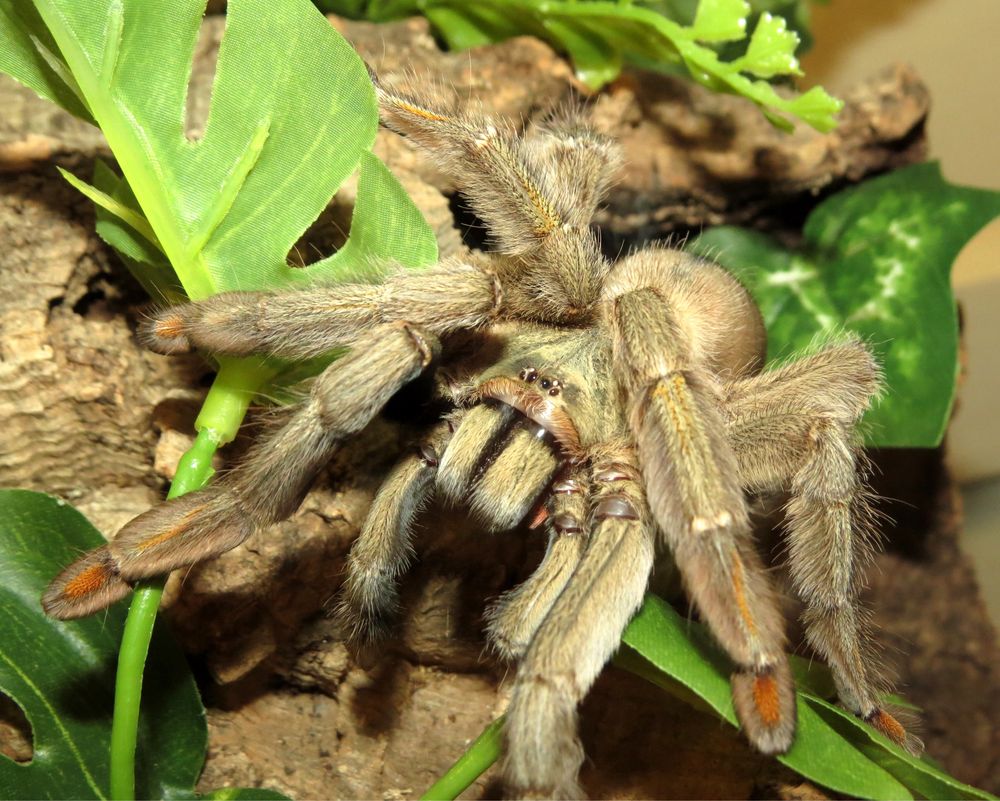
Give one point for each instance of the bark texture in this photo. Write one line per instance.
(90, 416)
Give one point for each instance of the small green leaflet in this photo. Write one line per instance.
(876, 259)
(601, 37)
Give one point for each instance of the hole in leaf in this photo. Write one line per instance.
(17, 741)
(199, 93)
(325, 236)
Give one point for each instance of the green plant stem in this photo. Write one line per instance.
(470, 766)
(219, 420)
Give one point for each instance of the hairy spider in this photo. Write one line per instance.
(627, 401)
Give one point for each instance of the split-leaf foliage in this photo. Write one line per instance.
(195, 217)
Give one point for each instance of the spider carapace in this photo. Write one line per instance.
(623, 406)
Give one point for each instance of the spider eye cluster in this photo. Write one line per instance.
(531, 375)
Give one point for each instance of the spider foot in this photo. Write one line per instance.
(883, 722)
(765, 705)
(164, 331)
(88, 585)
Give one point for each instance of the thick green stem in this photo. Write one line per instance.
(220, 418)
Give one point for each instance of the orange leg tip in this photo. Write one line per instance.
(884, 722)
(169, 327)
(766, 699)
(87, 582)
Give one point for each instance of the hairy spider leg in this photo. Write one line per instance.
(269, 485)
(792, 426)
(535, 195)
(308, 322)
(384, 548)
(517, 614)
(523, 190)
(690, 476)
(577, 637)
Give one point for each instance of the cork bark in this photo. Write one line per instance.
(91, 417)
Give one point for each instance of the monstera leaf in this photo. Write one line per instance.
(282, 134)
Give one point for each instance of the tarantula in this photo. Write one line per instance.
(625, 404)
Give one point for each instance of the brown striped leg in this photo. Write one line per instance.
(268, 486)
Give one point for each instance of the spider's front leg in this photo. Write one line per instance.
(675, 323)
(383, 549)
(579, 634)
(267, 487)
(303, 323)
(793, 427)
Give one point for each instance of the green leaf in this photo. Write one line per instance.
(27, 52)
(386, 227)
(282, 134)
(684, 653)
(720, 20)
(771, 50)
(876, 259)
(62, 674)
(832, 747)
(145, 260)
(916, 773)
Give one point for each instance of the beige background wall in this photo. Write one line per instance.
(953, 44)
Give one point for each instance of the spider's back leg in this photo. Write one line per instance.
(666, 358)
(794, 427)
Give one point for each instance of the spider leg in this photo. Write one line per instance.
(691, 480)
(383, 549)
(304, 323)
(793, 427)
(268, 486)
(518, 613)
(575, 640)
(536, 196)
(575, 160)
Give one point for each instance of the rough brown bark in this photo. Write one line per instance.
(89, 416)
